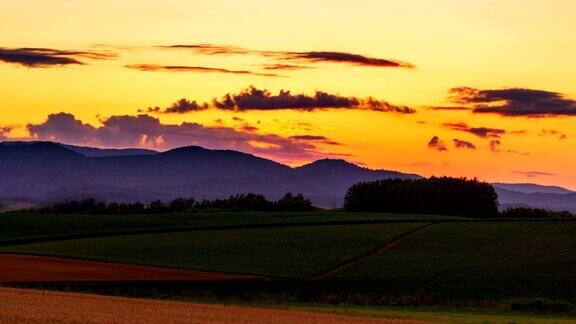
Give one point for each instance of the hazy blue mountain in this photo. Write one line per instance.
(530, 188)
(98, 152)
(46, 171)
(552, 201)
(87, 151)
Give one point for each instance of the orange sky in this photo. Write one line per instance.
(487, 45)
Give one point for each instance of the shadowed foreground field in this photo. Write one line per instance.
(31, 306)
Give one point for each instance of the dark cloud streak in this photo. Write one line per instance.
(46, 57)
(198, 69)
(483, 132)
(515, 102)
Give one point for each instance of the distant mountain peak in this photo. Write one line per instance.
(331, 162)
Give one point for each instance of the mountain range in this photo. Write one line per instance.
(43, 172)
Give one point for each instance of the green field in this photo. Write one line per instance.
(295, 252)
(479, 250)
(14, 226)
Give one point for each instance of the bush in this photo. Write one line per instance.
(441, 196)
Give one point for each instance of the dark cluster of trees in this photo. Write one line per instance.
(441, 196)
(236, 203)
(526, 212)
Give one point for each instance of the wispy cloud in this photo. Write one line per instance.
(314, 138)
(47, 57)
(535, 174)
(303, 57)
(285, 67)
(197, 69)
(483, 132)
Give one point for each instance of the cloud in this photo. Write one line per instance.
(304, 57)
(197, 69)
(340, 57)
(181, 106)
(287, 67)
(534, 174)
(256, 99)
(437, 144)
(483, 132)
(461, 144)
(211, 49)
(495, 146)
(449, 108)
(554, 133)
(148, 132)
(515, 102)
(4, 131)
(314, 138)
(46, 57)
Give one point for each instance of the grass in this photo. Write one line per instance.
(295, 252)
(15, 226)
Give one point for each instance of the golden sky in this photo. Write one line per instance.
(517, 125)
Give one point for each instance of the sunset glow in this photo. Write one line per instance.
(477, 88)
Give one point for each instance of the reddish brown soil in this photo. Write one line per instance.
(28, 268)
(33, 306)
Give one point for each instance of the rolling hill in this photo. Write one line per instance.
(46, 171)
(38, 172)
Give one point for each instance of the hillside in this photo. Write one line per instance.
(45, 171)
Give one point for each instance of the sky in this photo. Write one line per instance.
(460, 88)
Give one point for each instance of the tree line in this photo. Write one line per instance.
(235, 203)
(527, 212)
(435, 195)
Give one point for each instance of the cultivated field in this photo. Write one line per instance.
(40, 227)
(30, 268)
(488, 260)
(29, 306)
(295, 258)
(294, 252)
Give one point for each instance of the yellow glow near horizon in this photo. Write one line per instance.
(485, 44)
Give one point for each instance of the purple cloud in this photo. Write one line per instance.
(148, 132)
(515, 102)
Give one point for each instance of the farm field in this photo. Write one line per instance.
(308, 258)
(29, 306)
(34, 306)
(479, 250)
(486, 259)
(293, 252)
(22, 226)
(30, 268)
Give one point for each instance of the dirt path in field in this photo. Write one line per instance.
(34, 306)
(361, 258)
(30, 268)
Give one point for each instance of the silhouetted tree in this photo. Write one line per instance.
(526, 212)
(235, 203)
(441, 196)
